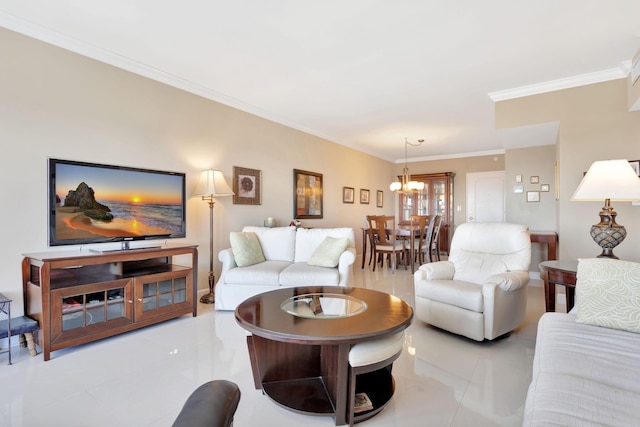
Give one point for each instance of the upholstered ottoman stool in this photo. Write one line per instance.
(368, 357)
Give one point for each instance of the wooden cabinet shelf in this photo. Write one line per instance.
(79, 297)
(435, 199)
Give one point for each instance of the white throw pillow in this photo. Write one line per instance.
(246, 248)
(608, 293)
(327, 254)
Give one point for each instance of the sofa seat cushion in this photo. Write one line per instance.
(583, 375)
(453, 292)
(264, 273)
(303, 274)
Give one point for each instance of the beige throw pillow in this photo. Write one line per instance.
(608, 293)
(246, 248)
(328, 252)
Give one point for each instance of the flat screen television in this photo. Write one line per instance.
(97, 203)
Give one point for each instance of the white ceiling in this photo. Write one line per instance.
(363, 73)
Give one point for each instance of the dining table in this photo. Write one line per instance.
(404, 231)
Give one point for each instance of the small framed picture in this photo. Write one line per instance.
(379, 198)
(347, 194)
(535, 179)
(518, 178)
(518, 189)
(246, 186)
(364, 196)
(533, 196)
(544, 187)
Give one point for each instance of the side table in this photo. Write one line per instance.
(5, 307)
(558, 273)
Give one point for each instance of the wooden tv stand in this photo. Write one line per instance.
(82, 296)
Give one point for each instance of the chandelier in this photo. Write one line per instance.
(407, 186)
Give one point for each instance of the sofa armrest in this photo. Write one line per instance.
(441, 270)
(509, 281)
(225, 256)
(345, 263)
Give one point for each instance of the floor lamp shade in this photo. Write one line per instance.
(212, 184)
(608, 180)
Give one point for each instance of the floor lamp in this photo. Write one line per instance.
(212, 184)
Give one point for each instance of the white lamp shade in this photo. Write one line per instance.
(609, 179)
(395, 186)
(212, 183)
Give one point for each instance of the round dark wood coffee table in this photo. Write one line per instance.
(300, 342)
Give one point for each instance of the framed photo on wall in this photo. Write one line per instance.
(246, 186)
(347, 194)
(364, 196)
(379, 198)
(533, 196)
(307, 195)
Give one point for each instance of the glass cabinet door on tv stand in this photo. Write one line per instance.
(435, 199)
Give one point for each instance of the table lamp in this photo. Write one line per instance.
(212, 184)
(609, 180)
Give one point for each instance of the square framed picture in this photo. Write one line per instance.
(246, 186)
(535, 179)
(544, 188)
(533, 196)
(379, 198)
(347, 194)
(364, 196)
(518, 178)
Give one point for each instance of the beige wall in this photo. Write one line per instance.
(595, 124)
(459, 166)
(58, 104)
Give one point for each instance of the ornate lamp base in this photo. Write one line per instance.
(607, 234)
(209, 298)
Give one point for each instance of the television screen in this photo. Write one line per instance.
(95, 203)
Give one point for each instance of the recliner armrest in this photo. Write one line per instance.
(509, 281)
(441, 270)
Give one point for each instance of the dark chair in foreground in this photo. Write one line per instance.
(213, 404)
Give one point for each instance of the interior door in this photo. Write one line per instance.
(485, 197)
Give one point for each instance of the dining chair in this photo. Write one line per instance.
(434, 246)
(383, 236)
(420, 223)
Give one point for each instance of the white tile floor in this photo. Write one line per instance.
(142, 378)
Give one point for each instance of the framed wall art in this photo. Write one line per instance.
(347, 194)
(246, 186)
(379, 198)
(364, 196)
(533, 196)
(307, 195)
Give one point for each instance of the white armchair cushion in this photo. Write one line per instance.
(608, 293)
(441, 270)
(509, 281)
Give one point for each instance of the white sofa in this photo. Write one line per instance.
(286, 251)
(588, 375)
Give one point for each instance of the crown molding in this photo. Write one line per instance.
(559, 84)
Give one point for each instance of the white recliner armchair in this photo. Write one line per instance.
(480, 292)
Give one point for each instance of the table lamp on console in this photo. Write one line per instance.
(212, 184)
(609, 180)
